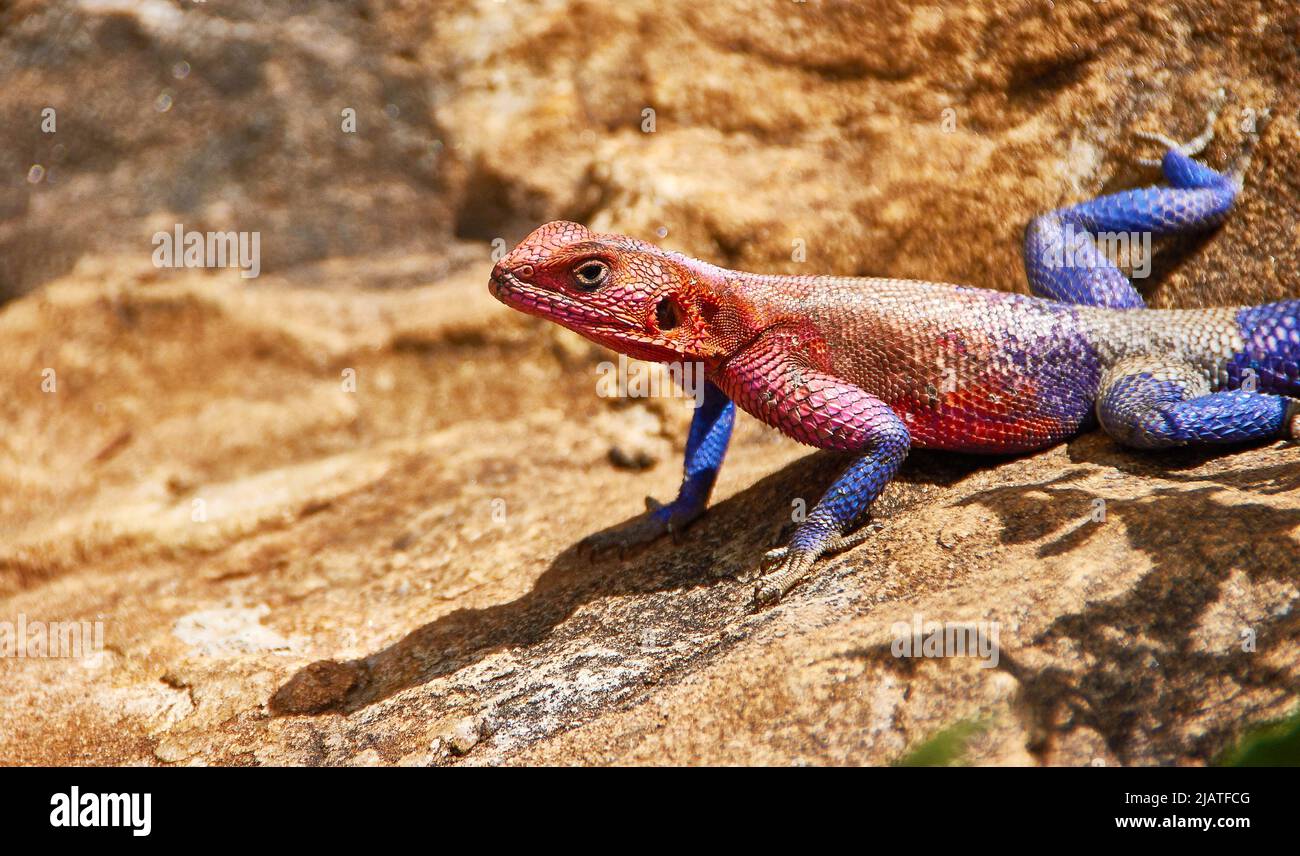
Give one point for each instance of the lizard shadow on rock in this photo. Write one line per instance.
(1185, 465)
(1142, 666)
(1146, 664)
(722, 544)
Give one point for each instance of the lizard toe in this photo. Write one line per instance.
(781, 573)
(621, 541)
(1292, 420)
(785, 567)
(767, 593)
(771, 559)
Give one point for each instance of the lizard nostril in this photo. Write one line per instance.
(523, 271)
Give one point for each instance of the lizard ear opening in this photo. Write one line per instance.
(668, 315)
(708, 311)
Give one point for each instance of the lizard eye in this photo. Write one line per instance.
(591, 275)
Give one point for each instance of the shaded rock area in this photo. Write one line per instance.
(333, 514)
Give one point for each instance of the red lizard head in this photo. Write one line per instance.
(619, 292)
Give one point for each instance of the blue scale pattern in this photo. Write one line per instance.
(706, 445)
(1075, 271)
(1146, 412)
(1272, 348)
(854, 491)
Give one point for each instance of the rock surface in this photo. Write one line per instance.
(332, 515)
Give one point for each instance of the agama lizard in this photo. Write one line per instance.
(876, 366)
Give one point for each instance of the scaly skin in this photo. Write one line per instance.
(876, 366)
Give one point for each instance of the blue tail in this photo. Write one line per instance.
(1062, 261)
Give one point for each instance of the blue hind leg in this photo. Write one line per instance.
(1062, 258)
(1269, 359)
(1154, 403)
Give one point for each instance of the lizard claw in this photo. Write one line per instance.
(1192, 147)
(781, 570)
(1254, 131)
(640, 531)
(765, 565)
(674, 526)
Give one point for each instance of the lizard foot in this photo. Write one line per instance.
(1254, 126)
(1192, 147)
(658, 520)
(783, 568)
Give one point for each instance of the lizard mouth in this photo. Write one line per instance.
(551, 305)
(592, 322)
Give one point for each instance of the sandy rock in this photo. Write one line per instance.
(333, 515)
